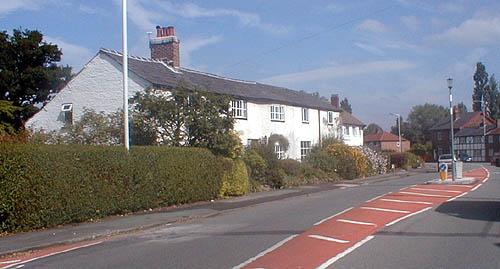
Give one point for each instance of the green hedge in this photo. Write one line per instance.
(235, 181)
(43, 185)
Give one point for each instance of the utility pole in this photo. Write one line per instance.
(125, 75)
(398, 118)
(450, 86)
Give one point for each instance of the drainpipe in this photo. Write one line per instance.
(319, 126)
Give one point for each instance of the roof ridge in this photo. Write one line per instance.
(139, 58)
(217, 76)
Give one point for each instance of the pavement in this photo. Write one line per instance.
(72, 234)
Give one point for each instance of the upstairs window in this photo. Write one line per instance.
(305, 115)
(239, 109)
(355, 131)
(277, 113)
(348, 130)
(330, 117)
(67, 113)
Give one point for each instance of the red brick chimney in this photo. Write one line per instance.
(335, 100)
(165, 46)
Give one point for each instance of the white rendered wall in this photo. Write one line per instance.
(258, 124)
(97, 86)
(352, 139)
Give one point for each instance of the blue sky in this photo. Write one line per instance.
(384, 56)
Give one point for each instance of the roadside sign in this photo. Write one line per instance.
(397, 144)
(443, 167)
(443, 171)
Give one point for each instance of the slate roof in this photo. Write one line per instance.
(348, 119)
(159, 74)
(382, 137)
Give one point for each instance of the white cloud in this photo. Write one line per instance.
(473, 32)
(374, 26)
(369, 48)
(144, 18)
(339, 71)
(9, 6)
(411, 22)
(191, 45)
(74, 55)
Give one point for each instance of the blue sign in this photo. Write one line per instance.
(443, 167)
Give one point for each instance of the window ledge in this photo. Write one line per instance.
(278, 120)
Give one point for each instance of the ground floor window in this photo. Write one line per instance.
(305, 149)
(279, 150)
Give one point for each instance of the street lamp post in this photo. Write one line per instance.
(399, 130)
(452, 136)
(125, 74)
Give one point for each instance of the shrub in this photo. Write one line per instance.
(256, 165)
(405, 160)
(48, 185)
(378, 161)
(235, 181)
(300, 173)
(424, 151)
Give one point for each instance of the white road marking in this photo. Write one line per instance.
(463, 186)
(51, 254)
(20, 266)
(407, 216)
(344, 253)
(404, 201)
(11, 261)
(424, 189)
(477, 186)
(425, 194)
(375, 198)
(332, 216)
(326, 238)
(458, 196)
(273, 247)
(357, 222)
(384, 209)
(487, 174)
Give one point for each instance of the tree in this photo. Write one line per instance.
(186, 116)
(480, 86)
(28, 71)
(373, 128)
(7, 118)
(492, 97)
(344, 104)
(462, 108)
(419, 122)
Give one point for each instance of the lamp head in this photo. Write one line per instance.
(450, 82)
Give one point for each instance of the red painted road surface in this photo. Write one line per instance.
(336, 236)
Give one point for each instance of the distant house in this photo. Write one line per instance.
(493, 141)
(470, 140)
(259, 109)
(351, 129)
(386, 141)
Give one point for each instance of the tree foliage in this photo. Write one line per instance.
(480, 86)
(28, 71)
(373, 128)
(493, 97)
(345, 105)
(419, 122)
(185, 116)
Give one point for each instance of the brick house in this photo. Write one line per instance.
(386, 141)
(469, 141)
(259, 109)
(493, 141)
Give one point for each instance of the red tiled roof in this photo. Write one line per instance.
(495, 131)
(382, 137)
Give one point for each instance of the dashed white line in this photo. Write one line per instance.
(425, 194)
(273, 247)
(384, 209)
(477, 186)
(405, 201)
(332, 216)
(357, 222)
(326, 238)
(424, 189)
(407, 216)
(344, 253)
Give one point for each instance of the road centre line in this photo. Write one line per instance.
(51, 254)
(425, 194)
(424, 189)
(477, 186)
(407, 216)
(332, 216)
(326, 238)
(384, 209)
(344, 253)
(273, 247)
(375, 198)
(357, 222)
(458, 196)
(404, 201)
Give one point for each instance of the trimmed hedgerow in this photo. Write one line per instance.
(235, 181)
(48, 185)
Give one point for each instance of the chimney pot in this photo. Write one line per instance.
(170, 31)
(165, 49)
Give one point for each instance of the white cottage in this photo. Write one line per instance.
(260, 110)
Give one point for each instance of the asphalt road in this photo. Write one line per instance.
(463, 233)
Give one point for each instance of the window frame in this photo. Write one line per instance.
(305, 115)
(239, 106)
(67, 110)
(329, 117)
(279, 151)
(305, 149)
(277, 113)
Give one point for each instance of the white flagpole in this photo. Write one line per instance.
(125, 73)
